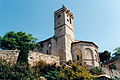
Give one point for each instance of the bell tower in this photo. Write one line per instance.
(63, 28)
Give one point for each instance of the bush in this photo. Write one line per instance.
(41, 66)
(4, 69)
(112, 67)
(72, 71)
(24, 72)
(75, 72)
(16, 72)
(96, 70)
(69, 62)
(52, 75)
(51, 72)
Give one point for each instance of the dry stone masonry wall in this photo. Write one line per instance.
(111, 73)
(9, 55)
(36, 56)
(12, 55)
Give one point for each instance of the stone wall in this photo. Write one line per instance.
(9, 55)
(12, 55)
(111, 73)
(117, 64)
(36, 56)
(115, 61)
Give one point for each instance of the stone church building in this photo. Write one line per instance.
(63, 43)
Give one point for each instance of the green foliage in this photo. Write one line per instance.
(105, 56)
(96, 70)
(12, 40)
(51, 72)
(75, 72)
(41, 66)
(21, 41)
(112, 66)
(117, 79)
(117, 52)
(52, 75)
(69, 62)
(23, 55)
(4, 70)
(17, 72)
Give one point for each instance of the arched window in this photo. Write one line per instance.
(58, 16)
(77, 54)
(77, 57)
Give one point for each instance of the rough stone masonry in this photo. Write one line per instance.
(12, 55)
(63, 44)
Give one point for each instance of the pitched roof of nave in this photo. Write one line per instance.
(48, 39)
(45, 40)
(80, 41)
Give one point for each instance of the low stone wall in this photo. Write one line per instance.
(12, 55)
(111, 73)
(36, 56)
(9, 55)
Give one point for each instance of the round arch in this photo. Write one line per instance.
(77, 55)
(88, 55)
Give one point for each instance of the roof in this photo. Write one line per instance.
(65, 9)
(79, 41)
(45, 40)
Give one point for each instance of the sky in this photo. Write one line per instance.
(97, 21)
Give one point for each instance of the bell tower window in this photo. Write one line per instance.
(58, 16)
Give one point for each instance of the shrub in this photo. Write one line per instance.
(51, 72)
(75, 72)
(52, 75)
(16, 72)
(69, 62)
(41, 66)
(112, 67)
(96, 70)
(72, 71)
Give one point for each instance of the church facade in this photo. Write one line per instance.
(64, 45)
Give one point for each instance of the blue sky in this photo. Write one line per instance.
(94, 20)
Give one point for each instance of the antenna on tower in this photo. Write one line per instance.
(63, 6)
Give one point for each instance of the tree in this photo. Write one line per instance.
(117, 52)
(23, 55)
(104, 56)
(12, 40)
(21, 41)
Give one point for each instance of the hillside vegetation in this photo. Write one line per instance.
(69, 71)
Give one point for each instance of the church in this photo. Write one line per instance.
(63, 43)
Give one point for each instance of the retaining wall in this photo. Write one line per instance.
(12, 55)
